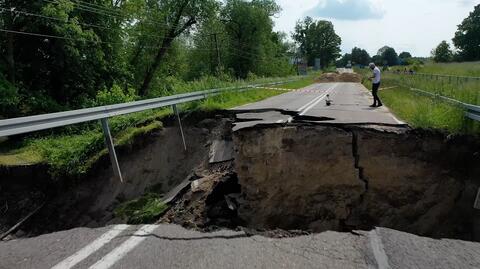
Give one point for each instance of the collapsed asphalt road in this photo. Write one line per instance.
(169, 246)
(349, 105)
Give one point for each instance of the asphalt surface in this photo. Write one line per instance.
(170, 246)
(350, 105)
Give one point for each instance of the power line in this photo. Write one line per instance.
(76, 39)
(119, 16)
(63, 21)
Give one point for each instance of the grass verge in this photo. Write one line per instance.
(145, 209)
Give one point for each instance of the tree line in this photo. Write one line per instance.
(386, 56)
(62, 54)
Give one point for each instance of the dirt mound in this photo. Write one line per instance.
(344, 77)
(349, 77)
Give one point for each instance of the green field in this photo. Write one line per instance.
(471, 69)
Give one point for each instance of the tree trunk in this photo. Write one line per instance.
(151, 70)
(166, 43)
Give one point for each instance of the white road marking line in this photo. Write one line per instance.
(309, 103)
(91, 248)
(378, 250)
(305, 108)
(318, 101)
(118, 253)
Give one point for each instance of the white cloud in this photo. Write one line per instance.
(348, 9)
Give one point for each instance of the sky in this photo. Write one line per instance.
(416, 26)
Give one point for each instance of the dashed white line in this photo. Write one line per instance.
(308, 108)
(378, 250)
(91, 248)
(118, 253)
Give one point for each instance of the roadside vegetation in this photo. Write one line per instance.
(64, 54)
(427, 112)
(71, 151)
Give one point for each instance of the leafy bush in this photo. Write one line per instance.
(39, 103)
(115, 95)
(9, 98)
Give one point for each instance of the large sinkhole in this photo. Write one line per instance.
(319, 178)
(276, 179)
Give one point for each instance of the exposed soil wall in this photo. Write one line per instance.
(153, 163)
(330, 178)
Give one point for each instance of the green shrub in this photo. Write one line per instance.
(9, 98)
(115, 95)
(145, 209)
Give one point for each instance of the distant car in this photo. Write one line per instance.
(348, 66)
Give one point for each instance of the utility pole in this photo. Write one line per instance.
(217, 54)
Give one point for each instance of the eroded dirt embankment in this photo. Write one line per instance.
(301, 176)
(340, 178)
(154, 163)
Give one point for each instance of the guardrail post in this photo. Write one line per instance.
(111, 149)
(175, 110)
(477, 200)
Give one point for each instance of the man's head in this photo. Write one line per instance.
(372, 66)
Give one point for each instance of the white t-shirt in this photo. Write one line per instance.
(377, 75)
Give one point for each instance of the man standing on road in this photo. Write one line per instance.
(375, 85)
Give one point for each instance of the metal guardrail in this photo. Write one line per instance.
(471, 111)
(23, 125)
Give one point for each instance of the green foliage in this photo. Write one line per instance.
(467, 38)
(442, 53)
(317, 39)
(115, 95)
(471, 69)
(9, 98)
(145, 209)
(460, 89)
(360, 56)
(346, 58)
(424, 112)
(405, 55)
(251, 45)
(390, 57)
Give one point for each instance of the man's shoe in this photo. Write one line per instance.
(380, 105)
(374, 105)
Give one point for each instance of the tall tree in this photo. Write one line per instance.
(317, 39)
(360, 56)
(59, 52)
(467, 38)
(442, 53)
(346, 58)
(390, 56)
(249, 33)
(405, 55)
(177, 17)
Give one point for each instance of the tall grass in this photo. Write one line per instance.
(462, 89)
(456, 69)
